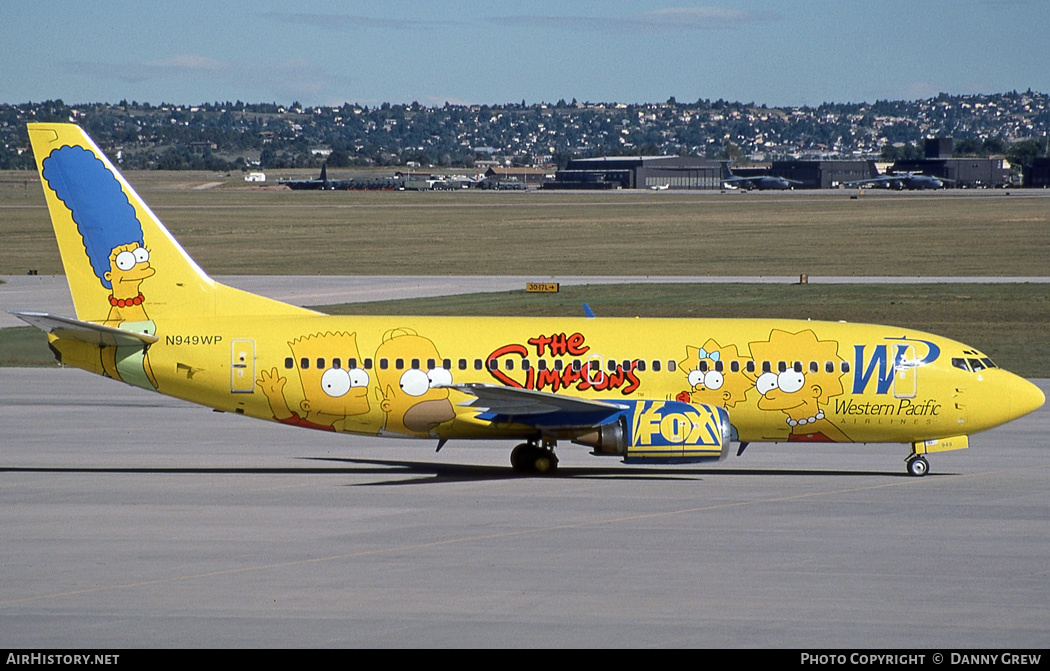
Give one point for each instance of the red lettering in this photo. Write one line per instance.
(540, 343)
(499, 374)
(576, 346)
(548, 377)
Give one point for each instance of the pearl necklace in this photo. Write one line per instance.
(808, 420)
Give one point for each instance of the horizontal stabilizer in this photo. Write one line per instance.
(75, 329)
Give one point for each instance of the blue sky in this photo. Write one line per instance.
(778, 52)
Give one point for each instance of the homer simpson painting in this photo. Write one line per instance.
(410, 393)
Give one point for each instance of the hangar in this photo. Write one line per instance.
(964, 172)
(639, 172)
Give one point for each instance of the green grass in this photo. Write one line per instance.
(25, 346)
(237, 229)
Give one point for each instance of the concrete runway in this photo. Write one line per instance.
(131, 520)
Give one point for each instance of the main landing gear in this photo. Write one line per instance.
(917, 465)
(532, 458)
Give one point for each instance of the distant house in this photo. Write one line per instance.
(255, 177)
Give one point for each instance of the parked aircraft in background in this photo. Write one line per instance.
(902, 180)
(643, 390)
(762, 183)
(322, 183)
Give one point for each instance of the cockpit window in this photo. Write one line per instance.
(976, 364)
(960, 363)
(988, 363)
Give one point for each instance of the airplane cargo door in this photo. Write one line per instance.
(242, 366)
(905, 372)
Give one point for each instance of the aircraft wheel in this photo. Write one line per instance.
(520, 459)
(544, 462)
(918, 466)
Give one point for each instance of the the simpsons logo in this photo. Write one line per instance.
(571, 369)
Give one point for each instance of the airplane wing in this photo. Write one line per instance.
(74, 329)
(537, 408)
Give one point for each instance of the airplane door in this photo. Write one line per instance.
(905, 372)
(242, 366)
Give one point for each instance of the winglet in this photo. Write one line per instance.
(587, 311)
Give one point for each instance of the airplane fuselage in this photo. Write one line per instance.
(779, 380)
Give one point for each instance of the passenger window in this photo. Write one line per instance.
(478, 364)
(541, 364)
(640, 365)
(336, 362)
(508, 364)
(304, 363)
(845, 366)
(351, 363)
(798, 366)
(814, 367)
(493, 364)
(750, 367)
(766, 368)
(383, 364)
(734, 366)
(656, 366)
(289, 362)
(320, 363)
(719, 366)
(829, 366)
(558, 364)
(368, 364)
(703, 367)
(415, 364)
(672, 365)
(462, 364)
(399, 364)
(525, 364)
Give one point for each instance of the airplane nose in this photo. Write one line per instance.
(1025, 397)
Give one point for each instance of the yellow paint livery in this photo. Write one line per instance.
(667, 390)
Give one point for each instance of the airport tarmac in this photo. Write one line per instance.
(131, 520)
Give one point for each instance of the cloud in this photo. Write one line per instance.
(673, 19)
(345, 21)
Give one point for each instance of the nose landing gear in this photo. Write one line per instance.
(917, 465)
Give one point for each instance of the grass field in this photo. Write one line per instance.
(234, 229)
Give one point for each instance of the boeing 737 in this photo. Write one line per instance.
(642, 390)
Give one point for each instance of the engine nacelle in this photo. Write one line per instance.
(664, 431)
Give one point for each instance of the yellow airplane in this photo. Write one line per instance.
(644, 390)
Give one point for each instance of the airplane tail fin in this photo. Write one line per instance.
(121, 263)
(726, 172)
